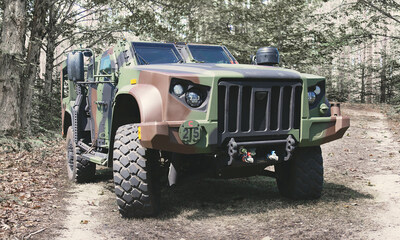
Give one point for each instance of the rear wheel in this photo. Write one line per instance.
(136, 174)
(302, 176)
(79, 170)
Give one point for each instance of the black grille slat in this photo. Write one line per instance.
(268, 112)
(246, 98)
(233, 108)
(286, 106)
(252, 103)
(239, 111)
(297, 108)
(291, 111)
(260, 108)
(252, 107)
(280, 109)
(275, 106)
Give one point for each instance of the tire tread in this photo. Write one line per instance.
(301, 177)
(136, 180)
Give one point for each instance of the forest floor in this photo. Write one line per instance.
(360, 198)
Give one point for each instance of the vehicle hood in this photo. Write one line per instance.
(205, 70)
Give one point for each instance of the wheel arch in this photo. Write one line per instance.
(66, 122)
(126, 110)
(136, 104)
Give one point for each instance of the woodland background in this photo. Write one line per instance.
(353, 43)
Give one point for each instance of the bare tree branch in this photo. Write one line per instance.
(380, 10)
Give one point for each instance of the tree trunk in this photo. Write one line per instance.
(363, 75)
(48, 77)
(369, 85)
(383, 82)
(33, 57)
(50, 48)
(11, 63)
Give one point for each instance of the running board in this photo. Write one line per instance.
(91, 155)
(98, 158)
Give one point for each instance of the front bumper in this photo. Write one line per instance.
(319, 130)
(165, 135)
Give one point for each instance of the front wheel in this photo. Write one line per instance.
(136, 174)
(302, 176)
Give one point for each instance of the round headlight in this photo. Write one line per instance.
(317, 90)
(311, 97)
(193, 98)
(178, 90)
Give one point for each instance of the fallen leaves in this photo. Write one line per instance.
(84, 221)
(29, 181)
(351, 204)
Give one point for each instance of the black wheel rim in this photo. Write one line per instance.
(70, 156)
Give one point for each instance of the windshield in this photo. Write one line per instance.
(154, 53)
(209, 54)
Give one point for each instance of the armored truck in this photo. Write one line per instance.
(163, 111)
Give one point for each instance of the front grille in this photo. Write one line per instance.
(257, 107)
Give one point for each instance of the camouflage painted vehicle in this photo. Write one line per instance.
(192, 109)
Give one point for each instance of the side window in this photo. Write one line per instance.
(90, 70)
(105, 65)
(64, 79)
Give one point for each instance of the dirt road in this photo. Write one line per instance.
(361, 199)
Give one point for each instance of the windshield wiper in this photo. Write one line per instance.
(180, 61)
(142, 59)
(197, 61)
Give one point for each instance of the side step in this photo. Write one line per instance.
(98, 158)
(91, 155)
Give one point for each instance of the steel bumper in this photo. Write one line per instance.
(319, 130)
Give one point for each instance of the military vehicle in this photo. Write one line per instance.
(141, 107)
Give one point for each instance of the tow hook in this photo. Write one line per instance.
(246, 151)
(273, 156)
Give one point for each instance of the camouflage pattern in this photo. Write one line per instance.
(162, 115)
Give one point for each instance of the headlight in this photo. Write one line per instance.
(193, 98)
(178, 90)
(192, 95)
(311, 97)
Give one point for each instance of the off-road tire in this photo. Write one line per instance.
(79, 170)
(136, 174)
(302, 176)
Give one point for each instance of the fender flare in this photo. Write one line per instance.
(148, 99)
(149, 104)
(66, 121)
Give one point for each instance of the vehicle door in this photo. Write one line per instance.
(101, 95)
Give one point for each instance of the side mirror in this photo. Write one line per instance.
(75, 66)
(253, 59)
(88, 53)
(267, 56)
